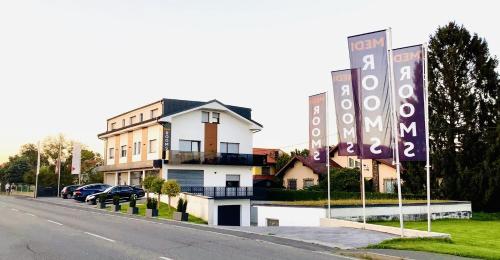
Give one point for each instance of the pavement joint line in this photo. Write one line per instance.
(54, 222)
(101, 237)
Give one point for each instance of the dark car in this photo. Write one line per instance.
(81, 193)
(67, 192)
(125, 192)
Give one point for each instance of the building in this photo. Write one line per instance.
(205, 146)
(301, 172)
(264, 176)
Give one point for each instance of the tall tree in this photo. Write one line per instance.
(463, 96)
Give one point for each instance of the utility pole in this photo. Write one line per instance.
(37, 171)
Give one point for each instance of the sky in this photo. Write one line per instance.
(66, 66)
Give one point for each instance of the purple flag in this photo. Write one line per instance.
(409, 98)
(346, 108)
(368, 52)
(317, 128)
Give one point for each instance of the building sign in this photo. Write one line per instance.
(346, 108)
(317, 128)
(409, 98)
(167, 135)
(368, 52)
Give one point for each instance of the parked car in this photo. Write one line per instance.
(124, 191)
(67, 192)
(81, 193)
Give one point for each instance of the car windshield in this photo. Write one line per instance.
(108, 189)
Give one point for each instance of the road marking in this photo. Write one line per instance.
(54, 222)
(165, 258)
(14, 210)
(101, 237)
(29, 214)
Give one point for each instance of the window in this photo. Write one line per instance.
(132, 120)
(266, 170)
(292, 184)
(229, 147)
(123, 122)
(111, 153)
(358, 165)
(351, 163)
(189, 146)
(141, 117)
(124, 151)
(308, 183)
(205, 117)
(113, 126)
(232, 180)
(390, 185)
(152, 146)
(137, 148)
(215, 117)
(154, 113)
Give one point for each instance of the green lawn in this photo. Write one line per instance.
(478, 237)
(165, 212)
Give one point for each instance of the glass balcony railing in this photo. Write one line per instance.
(179, 157)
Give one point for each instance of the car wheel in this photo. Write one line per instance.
(68, 196)
(133, 196)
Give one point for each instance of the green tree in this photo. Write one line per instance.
(464, 109)
(156, 188)
(171, 188)
(297, 152)
(147, 183)
(342, 179)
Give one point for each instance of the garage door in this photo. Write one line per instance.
(228, 215)
(187, 178)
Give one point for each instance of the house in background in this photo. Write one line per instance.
(301, 172)
(264, 176)
(381, 171)
(207, 147)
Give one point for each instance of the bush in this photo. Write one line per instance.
(102, 199)
(297, 195)
(116, 200)
(151, 203)
(182, 205)
(132, 203)
(344, 179)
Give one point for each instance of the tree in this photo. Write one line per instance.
(171, 188)
(282, 160)
(147, 183)
(156, 188)
(297, 152)
(464, 109)
(342, 179)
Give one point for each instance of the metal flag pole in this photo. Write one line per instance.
(427, 149)
(59, 170)
(328, 157)
(37, 171)
(363, 195)
(394, 123)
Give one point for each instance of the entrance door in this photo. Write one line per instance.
(228, 215)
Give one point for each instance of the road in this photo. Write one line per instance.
(34, 230)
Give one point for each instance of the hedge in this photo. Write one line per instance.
(297, 195)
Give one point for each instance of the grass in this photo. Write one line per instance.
(348, 202)
(478, 237)
(164, 212)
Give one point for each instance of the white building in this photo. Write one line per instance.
(205, 146)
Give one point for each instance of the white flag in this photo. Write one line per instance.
(77, 159)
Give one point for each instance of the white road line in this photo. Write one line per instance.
(53, 222)
(14, 209)
(29, 214)
(101, 237)
(165, 258)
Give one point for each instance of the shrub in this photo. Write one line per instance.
(297, 195)
(102, 199)
(151, 203)
(180, 205)
(132, 203)
(116, 200)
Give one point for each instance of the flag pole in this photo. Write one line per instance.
(394, 123)
(59, 170)
(427, 149)
(37, 171)
(328, 156)
(363, 195)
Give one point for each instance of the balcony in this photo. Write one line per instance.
(221, 192)
(178, 157)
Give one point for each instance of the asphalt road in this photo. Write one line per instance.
(34, 230)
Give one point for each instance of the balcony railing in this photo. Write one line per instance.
(220, 192)
(178, 157)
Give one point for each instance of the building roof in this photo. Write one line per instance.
(270, 152)
(317, 168)
(387, 161)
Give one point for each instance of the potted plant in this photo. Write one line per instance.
(181, 214)
(132, 209)
(101, 201)
(116, 202)
(151, 210)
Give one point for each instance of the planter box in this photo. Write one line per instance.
(180, 216)
(151, 213)
(133, 210)
(118, 207)
(101, 206)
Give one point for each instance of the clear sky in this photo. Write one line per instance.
(66, 66)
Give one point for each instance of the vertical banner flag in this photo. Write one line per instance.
(346, 109)
(317, 128)
(77, 159)
(368, 52)
(409, 88)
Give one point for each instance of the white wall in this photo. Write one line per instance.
(244, 210)
(234, 130)
(290, 216)
(197, 205)
(187, 126)
(215, 175)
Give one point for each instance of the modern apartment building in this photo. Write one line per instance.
(205, 146)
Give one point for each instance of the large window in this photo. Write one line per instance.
(229, 147)
(205, 117)
(152, 146)
(111, 153)
(189, 146)
(124, 151)
(137, 148)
